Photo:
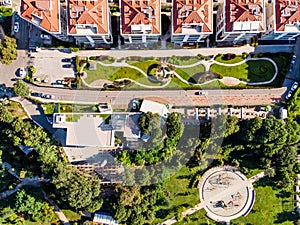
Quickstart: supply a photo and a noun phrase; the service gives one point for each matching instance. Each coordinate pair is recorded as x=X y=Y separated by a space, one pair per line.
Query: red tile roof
x=246 y=12
x=192 y=13
x=91 y=16
x=287 y=13
x=140 y=12
x=43 y=13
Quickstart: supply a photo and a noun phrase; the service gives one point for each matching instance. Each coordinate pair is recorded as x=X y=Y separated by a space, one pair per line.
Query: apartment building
x=44 y=14
x=192 y=20
x=239 y=20
x=89 y=21
x=140 y=20
x=283 y=20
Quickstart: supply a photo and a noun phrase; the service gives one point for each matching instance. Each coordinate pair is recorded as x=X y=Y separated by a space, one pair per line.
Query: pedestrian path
x=35 y=182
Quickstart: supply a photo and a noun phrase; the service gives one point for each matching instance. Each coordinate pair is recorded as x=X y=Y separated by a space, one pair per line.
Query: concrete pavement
x=168 y=53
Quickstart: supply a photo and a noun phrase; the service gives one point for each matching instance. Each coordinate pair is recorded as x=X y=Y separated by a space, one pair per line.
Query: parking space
x=20 y=30
x=51 y=69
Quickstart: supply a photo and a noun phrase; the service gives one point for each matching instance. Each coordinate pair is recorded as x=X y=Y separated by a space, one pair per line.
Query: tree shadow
x=286 y=216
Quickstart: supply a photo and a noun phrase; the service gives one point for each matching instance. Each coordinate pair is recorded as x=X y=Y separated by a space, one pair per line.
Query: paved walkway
x=203 y=204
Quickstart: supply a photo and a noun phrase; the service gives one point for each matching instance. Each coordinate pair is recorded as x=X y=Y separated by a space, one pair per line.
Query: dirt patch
x=100 y=83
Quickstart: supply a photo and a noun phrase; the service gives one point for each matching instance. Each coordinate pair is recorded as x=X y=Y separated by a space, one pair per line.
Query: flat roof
x=89 y=130
x=88 y=17
x=192 y=17
x=140 y=17
x=42 y=13
x=244 y=15
x=154 y=107
x=132 y=129
x=287 y=15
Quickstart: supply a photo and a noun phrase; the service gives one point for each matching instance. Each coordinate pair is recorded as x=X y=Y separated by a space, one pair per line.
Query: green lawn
x=17 y=110
x=220 y=58
x=183 y=60
x=191 y=74
x=180 y=195
x=252 y=71
x=146 y=66
x=48 y=108
x=113 y=73
x=71 y=215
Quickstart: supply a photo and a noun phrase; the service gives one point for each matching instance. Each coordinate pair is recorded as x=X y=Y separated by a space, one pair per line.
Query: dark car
x=67 y=66
x=201 y=93
x=35 y=94
x=66 y=60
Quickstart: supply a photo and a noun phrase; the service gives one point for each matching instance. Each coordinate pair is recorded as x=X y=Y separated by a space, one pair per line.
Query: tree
x=174 y=126
x=249 y=129
x=8 y=50
x=28 y=205
x=231 y=125
x=148 y=122
x=5 y=116
x=272 y=131
x=21 y=88
x=286 y=157
x=78 y=190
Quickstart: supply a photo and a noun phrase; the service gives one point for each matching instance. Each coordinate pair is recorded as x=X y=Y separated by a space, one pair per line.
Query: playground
x=226 y=193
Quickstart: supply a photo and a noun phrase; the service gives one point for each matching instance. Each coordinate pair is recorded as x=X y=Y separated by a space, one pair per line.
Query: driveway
x=8 y=72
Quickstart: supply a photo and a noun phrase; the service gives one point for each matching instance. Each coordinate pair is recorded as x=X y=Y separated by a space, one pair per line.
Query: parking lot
x=52 y=68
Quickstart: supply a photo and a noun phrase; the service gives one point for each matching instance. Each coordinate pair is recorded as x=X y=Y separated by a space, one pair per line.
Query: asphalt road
x=295 y=74
x=121 y=99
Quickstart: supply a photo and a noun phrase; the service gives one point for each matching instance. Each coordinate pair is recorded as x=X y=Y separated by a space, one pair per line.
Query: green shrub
x=74 y=49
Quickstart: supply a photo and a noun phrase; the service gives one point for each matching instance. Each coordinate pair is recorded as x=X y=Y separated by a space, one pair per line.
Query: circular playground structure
x=226 y=193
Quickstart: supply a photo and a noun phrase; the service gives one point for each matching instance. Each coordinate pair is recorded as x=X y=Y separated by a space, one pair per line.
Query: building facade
x=283 y=20
x=140 y=20
x=192 y=20
x=89 y=21
x=239 y=20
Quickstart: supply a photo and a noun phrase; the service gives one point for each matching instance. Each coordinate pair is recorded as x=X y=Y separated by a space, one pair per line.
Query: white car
x=22 y=72
x=16 y=27
x=45 y=36
x=289 y=95
x=294 y=86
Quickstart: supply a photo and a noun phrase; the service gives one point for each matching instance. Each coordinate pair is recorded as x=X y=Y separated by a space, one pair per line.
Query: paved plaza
x=226 y=193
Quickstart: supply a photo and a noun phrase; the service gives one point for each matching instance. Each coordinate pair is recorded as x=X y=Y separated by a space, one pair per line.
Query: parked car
x=201 y=93
x=22 y=72
x=288 y=95
x=294 y=86
x=16 y=16
x=45 y=36
x=67 y=66
x=291 y=68
x=48 y=96
x=66 y=60
x=16 y=27
x=293 y=59
x=36 y=94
